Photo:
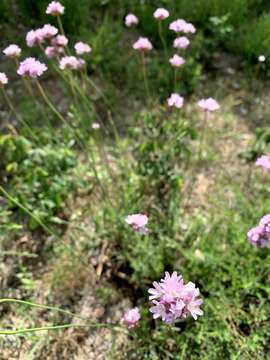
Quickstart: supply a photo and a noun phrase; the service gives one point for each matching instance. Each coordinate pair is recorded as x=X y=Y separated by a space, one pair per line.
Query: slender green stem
x=145 y=76
x=83 y=146
x=49 y=103
x=59 y=22
x=163 y=41
x=41 y=306
x=54 y=327
x=12 y=108
x=99 y=91
x=22 y=207
x=175 y=79
x=38 y=220
x=202 y=135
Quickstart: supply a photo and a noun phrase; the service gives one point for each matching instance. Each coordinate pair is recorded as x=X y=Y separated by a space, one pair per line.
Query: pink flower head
x=209 y=104
x=265 y=221
x=3 y=79
x=53 y=51
x=71 y=62
x=95 y=126
x=263 y=161
x=48 y=31
x=131 y=318
x=142 y=44
x=34 y=37
x=261 y=58
x=189 y=29
x=31 y=67
x=81 y=63
x=258 y=236
x=131 y=20
x=181 y=25
x=161 y=14
x=12 y=51
x=55 y=8
x=173 y=300
x=82 y=48
x=59 y=40
x=176 y=101
x=181 y=42
x=177 y=61
x=138 y=222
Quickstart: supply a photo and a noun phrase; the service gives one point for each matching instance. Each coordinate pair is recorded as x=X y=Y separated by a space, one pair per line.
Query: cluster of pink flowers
x=259 y=236
x=3 y=79
x=82 y=48
x=55 y=8
x=209 y=104
x=264 y=162
x=131 y=20
x=177 y=61
x=176 y=100
x=58 y=44
x=38 y=36
x=13 y=51
x=181 y=42
x=173 y=300
x=181 y=25
x=31 y=67
x=59 y=40
x=161 y=14
x=142 y=44
x=54 y=51
x=138 y=222
x=71 y=62
x=131 y=318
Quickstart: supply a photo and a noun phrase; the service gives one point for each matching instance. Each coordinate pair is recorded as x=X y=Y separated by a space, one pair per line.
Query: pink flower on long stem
x=48 y=31
x=53 y=51
x=181 y=42
x=71 y=62
x=138 y=222
x=13 y=51
x=142 y=44
x=3 y=78
x=177 y=61
x=55 y=8
x=181 y=25
x=38 y=36
x=131 y=20
x=59 y=40
x=209 y=104
x=82 y=48
x=264 y=162
x=175 y=100
x=161 y=14
x=34 y=37
x=131 y=318
x=31 y=67
x=174 y=300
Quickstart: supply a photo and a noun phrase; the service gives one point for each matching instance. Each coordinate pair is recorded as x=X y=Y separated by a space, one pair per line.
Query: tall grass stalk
x=145 y=80
x=163 y=41
x=27 y=211
x=18 y=116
